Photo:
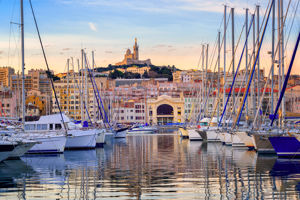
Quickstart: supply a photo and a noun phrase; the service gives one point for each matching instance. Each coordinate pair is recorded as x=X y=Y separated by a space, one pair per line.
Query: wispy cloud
x=162 y=46
x=92 y=26
x=167 y=6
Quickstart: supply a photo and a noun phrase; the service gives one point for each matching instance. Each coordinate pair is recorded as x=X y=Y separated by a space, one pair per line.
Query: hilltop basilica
x=133 y=58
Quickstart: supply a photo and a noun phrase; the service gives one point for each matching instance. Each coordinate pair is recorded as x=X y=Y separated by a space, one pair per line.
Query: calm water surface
x=158 y=166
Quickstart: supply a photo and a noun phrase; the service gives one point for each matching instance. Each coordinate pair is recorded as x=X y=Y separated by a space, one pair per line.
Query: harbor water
x=158 y=166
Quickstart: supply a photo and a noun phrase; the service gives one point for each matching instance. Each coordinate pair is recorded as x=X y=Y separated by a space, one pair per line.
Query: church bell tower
x=136 y=50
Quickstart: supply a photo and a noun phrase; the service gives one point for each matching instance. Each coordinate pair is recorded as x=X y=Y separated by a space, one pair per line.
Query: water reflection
x=151 y=167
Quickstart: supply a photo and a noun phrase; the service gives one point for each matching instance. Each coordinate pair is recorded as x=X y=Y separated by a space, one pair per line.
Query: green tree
x=116 y=74
x=146 y=75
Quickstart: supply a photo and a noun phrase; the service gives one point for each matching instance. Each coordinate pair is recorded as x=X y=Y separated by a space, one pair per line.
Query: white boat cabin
x=50 y=123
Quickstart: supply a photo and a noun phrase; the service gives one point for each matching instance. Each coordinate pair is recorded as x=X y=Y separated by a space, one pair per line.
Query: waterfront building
x=69 y=96
x=137 y=70
x=131 y=112
x=165 y=109
x=188 y=76
x=5 y=76
x=292 y=99
x=9 y=104
x=36 y=79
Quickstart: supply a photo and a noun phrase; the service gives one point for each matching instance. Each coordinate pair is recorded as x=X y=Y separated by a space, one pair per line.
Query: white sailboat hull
x=194 y=135
x=4 y=155
x=212 y=136
x=21 y=149
x=246 y=139
x=120 y=134
x=50 y=144
x=81 y=139
x=100 y=141
x=237 y=142
x=222 y=137
x=228 y=139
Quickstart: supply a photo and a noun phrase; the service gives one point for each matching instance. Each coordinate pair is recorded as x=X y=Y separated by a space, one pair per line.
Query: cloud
x=168 y=6
x=159 y=46
x=170 y=50
x=162 y=46
x=36 y=54
x=92 y=26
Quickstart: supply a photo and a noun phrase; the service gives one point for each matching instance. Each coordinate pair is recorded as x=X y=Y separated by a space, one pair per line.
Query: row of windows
x=42 y=127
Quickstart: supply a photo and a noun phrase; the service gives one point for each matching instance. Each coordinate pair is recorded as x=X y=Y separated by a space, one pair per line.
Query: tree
x=146 y=75
x=116 y=74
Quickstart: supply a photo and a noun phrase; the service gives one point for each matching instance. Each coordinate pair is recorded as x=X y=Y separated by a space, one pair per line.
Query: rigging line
x=199 y=59
x=93 y=84
x=106 y=118
x=253 y=67
x=286 y=79
x=230 y=115
x=233 y=79
x=66 y=65
x=240 y=89
x=293 y=19
x=8 y=52
x=236 y=47
x=212 y=56
x=234 y=51
x=84 y=104
x=49 y=73
x=223 y=38
x=228 y=20
x=16 y=47
x=272 y=64
x=11 y=31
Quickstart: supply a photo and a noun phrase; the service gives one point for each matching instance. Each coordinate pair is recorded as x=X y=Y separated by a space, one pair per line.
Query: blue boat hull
x=286 y=146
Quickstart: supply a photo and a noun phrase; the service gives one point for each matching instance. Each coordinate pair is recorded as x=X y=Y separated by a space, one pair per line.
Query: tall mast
x=233 y=67
x=279 y=52
x=258 y=65
x=94 y=97
x=81 y=86
x=218 y=95
x=282 y=57
x=246 y=56
x=273 y=58
x=202 y=91
x=86 y=87
x=74 y=86
x=23 y=64
x=224 y=78
x=206 y=68
x=253 y=98
x=19 y=96
x=68 y=102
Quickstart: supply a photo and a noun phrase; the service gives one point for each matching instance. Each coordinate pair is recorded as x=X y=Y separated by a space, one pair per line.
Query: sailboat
x=6 y=147
x=21 y=145
x=262 y=138
x=53 y=139
x=288 y=145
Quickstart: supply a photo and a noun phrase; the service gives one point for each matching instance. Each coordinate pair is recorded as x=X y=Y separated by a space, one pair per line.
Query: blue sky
x=168 y=31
